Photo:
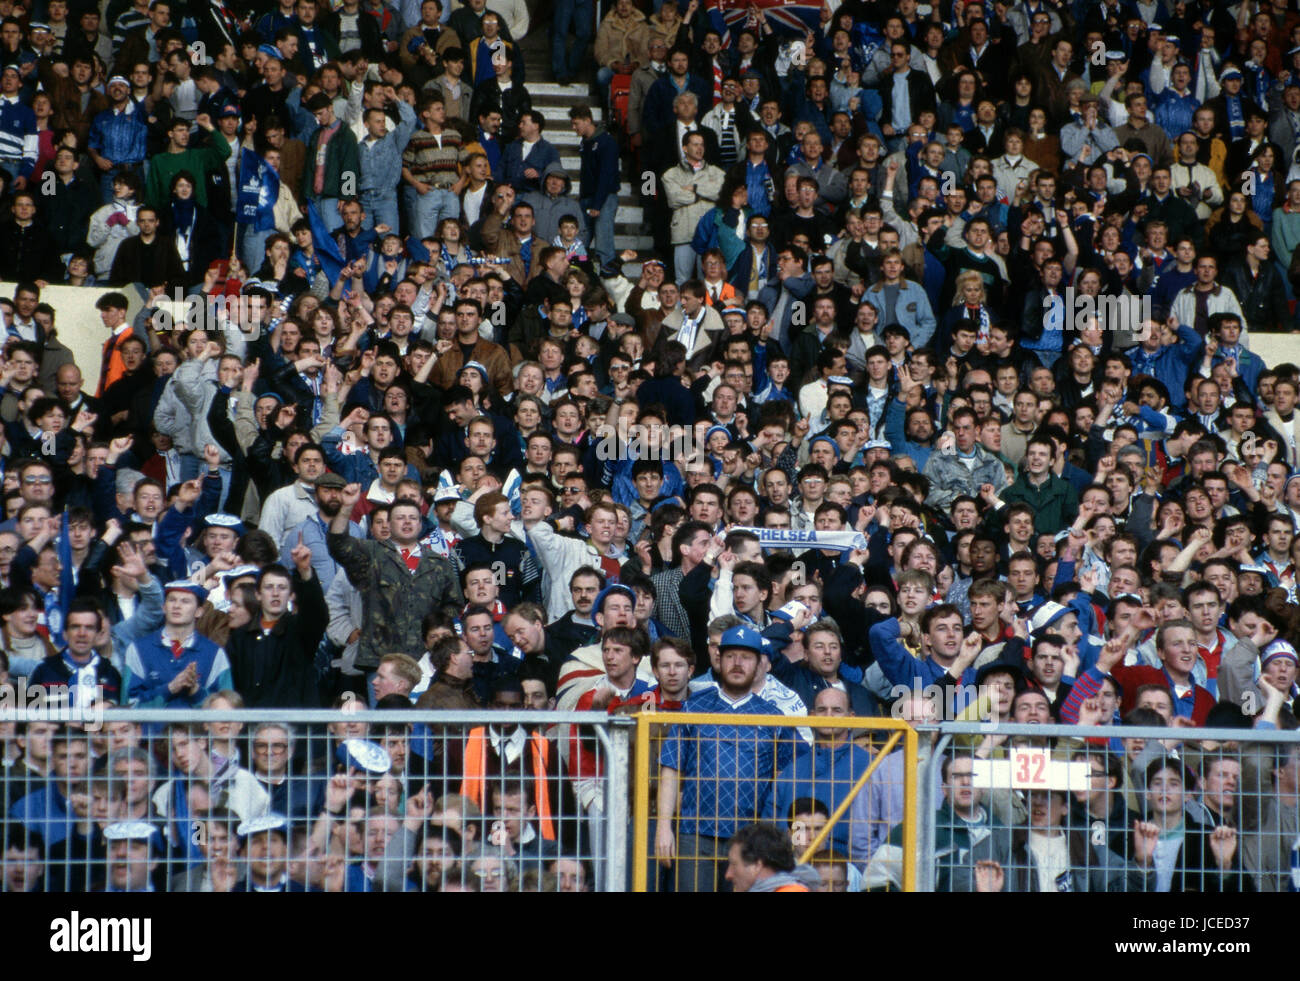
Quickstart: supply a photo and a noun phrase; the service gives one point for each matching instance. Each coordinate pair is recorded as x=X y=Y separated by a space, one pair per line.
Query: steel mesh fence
x=311 y=801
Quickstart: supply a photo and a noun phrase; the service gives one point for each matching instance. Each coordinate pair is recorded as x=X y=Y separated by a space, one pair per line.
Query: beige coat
x=619 y=38
x=691 y=195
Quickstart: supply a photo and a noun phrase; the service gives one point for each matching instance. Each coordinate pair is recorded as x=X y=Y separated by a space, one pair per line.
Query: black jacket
x=1262 y=297
x=276 y=668
x=66 y=213
x=512 y=103
x=920 y=94
x=27 y=253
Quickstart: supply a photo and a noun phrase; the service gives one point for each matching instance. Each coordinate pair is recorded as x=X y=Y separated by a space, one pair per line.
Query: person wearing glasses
x=293 y=795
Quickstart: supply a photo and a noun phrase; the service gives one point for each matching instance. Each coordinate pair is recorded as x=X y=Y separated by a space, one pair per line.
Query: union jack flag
x=785 y=16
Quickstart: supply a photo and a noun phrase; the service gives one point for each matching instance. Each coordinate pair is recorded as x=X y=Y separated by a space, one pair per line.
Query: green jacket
x=341 y=160
x=953 y=840
x=199 y=161
x=394 y=601
x=1055 y=503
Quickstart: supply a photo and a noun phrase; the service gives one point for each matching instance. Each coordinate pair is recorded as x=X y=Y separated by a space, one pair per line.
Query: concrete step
x=559 y=112
x=638 y=242
x=549 y=91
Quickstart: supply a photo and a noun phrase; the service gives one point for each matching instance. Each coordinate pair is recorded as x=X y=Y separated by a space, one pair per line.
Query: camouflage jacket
x=393 y=600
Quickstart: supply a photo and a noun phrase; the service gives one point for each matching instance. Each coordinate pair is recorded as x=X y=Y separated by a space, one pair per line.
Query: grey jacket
x=195 y=385
x=950 y=478
x=547 y=210
x=173 y=419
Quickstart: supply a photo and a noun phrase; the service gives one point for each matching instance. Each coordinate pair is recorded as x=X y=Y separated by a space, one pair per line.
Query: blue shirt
x=902 y=105
x=726 y=770
x=119 y=136
x=821 y=772
x=314 y=532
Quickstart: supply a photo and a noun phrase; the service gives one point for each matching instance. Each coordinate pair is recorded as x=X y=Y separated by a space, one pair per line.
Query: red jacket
x=1135 y=676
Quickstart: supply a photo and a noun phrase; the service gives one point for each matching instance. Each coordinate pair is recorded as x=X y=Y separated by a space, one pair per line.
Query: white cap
x=130 y=831
x=257 y=825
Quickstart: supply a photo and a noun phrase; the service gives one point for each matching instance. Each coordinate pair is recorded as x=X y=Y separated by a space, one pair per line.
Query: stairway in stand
x=553 y=102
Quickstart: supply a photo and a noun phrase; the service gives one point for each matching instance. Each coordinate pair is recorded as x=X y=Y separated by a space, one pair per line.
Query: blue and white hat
x=1046 y=615
x=223 y=520
x=366 y=755
x=186 y=586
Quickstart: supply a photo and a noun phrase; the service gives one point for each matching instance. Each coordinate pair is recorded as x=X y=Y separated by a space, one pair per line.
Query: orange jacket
x=472 y=786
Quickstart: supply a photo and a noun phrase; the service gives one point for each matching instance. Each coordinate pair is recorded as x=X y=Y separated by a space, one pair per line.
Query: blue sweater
x=600 y=169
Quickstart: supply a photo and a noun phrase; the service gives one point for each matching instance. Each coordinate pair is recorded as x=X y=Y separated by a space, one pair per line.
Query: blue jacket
x=1170 y=364
x=902 y=669
x=46 y=812
x=806 y=683
x=355 y=468
x=56 y=673
x=18 y=136
x=600 y=169
x=895 y=420
x=912 y=310
x=1174 y=112
x=150 y=666
x=513 y=165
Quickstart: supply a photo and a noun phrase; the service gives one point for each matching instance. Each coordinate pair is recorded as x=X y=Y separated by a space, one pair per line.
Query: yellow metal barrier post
x=845 y=804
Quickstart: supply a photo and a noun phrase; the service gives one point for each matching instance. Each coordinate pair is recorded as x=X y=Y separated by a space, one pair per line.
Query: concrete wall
x=78 y=323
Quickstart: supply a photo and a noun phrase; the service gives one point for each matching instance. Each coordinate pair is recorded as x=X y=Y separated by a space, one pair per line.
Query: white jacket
x=1202 y=175
x=105 y=238
x=560 y=557
x=1222 y=301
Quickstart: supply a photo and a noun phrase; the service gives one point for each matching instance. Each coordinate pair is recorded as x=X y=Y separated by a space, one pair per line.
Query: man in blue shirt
x=723 y=772
x=46 y=811
x=825 y=771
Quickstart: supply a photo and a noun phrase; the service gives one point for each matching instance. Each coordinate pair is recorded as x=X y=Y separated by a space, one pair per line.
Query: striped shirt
x=18 y=140
x=434 y=159
x=127 y=23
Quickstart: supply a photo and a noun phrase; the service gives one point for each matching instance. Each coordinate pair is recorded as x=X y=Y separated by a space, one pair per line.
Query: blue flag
x=66 y=585
x=327 y=250
x=259 y=188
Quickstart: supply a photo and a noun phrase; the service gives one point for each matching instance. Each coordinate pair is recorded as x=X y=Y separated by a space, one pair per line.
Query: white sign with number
x=1031 y=768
